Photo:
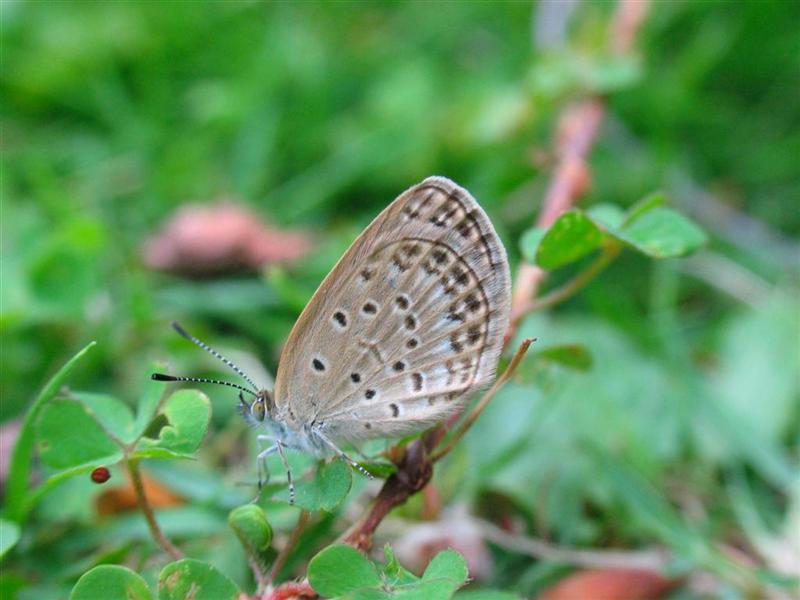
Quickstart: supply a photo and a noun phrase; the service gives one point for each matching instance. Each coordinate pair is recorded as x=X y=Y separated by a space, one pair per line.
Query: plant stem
x=576 y=131
x=144 y=505
x=490 y=393
x=568 y=289
x=650 y=560
x=578 y=127
x=283 y=555
x=262 y=581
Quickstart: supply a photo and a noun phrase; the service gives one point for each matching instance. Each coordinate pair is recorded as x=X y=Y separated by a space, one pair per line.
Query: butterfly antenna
x=164 y=377
x=183 y=333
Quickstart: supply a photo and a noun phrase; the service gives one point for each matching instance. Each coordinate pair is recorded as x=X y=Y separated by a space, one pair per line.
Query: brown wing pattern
x=409 y=320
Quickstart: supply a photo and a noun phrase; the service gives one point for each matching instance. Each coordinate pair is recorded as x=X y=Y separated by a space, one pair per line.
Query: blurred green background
x=685 y=432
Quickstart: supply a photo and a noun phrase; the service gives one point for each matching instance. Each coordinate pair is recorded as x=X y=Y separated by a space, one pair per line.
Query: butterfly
x=408 y=323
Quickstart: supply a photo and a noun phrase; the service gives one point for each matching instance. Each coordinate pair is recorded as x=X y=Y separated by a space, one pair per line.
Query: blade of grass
x=20 y=467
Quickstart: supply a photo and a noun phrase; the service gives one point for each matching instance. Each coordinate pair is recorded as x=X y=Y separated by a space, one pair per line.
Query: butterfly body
x=303 y=438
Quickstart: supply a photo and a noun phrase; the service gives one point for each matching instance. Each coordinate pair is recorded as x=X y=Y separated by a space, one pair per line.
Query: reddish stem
x=577 y=130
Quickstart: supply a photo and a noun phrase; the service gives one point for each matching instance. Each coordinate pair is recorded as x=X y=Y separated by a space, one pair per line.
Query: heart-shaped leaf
x=448 y=564
x=110 y=582
x=112 y=414
x=188 y=413
x=69 y=435
x=189 y=578
x=572 y=236
x=325 y=490
x=340 y=569
x=662 y=233
x=395 y=573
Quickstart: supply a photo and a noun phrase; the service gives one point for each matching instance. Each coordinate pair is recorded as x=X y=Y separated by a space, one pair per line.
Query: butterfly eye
x=258 y=410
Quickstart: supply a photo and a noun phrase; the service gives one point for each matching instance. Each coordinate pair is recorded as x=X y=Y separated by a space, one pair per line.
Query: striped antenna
x=164 y=377
x=181 y=331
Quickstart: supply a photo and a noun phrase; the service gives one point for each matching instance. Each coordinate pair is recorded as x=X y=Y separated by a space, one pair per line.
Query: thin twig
x=283 y=555
x=650 y=560
x=144 y=505
x=487 y=397
x=576 y=132
x=569 y=288
x=262 y=580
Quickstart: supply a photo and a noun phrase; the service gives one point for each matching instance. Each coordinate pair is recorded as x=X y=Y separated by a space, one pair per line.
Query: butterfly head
x=259 y=409
x=255 y=411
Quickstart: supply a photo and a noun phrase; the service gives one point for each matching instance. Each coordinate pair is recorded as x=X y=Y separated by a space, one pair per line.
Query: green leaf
x=380 y=470
x=662 y=233
x=608 y=216
x=69 y=436
x=439 y=589
x=394 y=571
x=340 y=569
x=370 y=594
x=529 y=243
x=19 y=468
x=574 y=356
x=189 y=578
x=156 y=452
x=9 y=536
x=188 y=413
x=436 y=589
x=648 y=227
x=250 y=524
x=53 y=481
x=113 y=415
x=644 y=205
x=572 y=236
x=149 y=401
x=448 y=564
x=110 y=582
x=325 y=490
x=485 y=595
x=443 y=576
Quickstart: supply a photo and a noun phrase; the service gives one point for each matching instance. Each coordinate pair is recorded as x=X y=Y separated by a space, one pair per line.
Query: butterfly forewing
x=409 y=320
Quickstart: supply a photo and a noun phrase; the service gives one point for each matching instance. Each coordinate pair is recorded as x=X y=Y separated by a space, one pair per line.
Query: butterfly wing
x=408 y=321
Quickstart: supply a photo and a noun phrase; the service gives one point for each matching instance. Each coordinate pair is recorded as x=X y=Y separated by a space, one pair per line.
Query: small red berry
x=101 y=475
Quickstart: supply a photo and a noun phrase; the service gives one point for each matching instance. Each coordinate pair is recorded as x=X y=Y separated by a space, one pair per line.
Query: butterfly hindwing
x=408 y=321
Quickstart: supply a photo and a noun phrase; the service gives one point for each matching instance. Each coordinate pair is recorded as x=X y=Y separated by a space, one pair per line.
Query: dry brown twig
x=147 y=510
x=283 y=555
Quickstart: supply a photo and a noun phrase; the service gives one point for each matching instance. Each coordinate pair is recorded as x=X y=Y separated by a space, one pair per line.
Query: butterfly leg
x=341 y=454
x=261 y=464
x=282 y=452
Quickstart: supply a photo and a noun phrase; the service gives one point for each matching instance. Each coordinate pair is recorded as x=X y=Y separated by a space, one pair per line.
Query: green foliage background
x=316 y=115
